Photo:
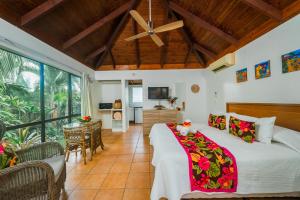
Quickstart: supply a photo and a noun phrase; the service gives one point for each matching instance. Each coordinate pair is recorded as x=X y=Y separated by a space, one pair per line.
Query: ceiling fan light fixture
x=149 y=28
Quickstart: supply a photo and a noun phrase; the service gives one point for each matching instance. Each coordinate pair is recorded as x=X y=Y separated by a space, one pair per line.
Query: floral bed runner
x=212 y=168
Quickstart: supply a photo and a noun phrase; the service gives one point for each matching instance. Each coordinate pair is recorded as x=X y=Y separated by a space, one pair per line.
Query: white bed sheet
x=262 y=168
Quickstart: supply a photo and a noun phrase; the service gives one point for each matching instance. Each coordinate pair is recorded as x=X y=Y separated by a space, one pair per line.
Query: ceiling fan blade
x=143 y=34
x=168 y=27
x=139 y=19
x=157 y=40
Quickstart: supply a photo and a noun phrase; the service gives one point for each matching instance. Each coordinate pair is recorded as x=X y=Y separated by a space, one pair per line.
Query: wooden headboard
x=288 y=115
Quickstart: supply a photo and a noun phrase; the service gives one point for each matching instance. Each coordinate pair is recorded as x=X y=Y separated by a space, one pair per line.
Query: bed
x=263 y=170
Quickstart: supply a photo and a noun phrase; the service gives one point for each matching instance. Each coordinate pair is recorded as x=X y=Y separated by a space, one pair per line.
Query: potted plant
x=85 y=119
x=172 y=101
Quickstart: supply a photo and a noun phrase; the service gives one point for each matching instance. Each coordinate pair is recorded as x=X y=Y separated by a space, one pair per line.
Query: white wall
x=195 y=103
x=105 y=92
x=279 y=88
x=15 y=39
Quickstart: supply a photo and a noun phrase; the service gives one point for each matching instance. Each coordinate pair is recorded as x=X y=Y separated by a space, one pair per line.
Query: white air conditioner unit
x=224 y=62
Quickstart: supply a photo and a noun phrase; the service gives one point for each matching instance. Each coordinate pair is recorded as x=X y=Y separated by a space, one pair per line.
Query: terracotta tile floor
x=121 y=171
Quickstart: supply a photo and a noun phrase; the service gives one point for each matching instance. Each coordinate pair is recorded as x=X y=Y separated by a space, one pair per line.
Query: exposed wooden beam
x=205 y=51
x=187 y=56
x=112 y=58
x=136 y=43
x=290 y=11
x=265 y=8
x=96 y=53
x=39 y=11
x=149 y=67
x=202 y=23
x=116 y=32
x=189 y=41
x=84 y=33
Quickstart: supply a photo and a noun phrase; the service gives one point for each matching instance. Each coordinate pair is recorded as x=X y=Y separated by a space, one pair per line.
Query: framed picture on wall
x=262 y=70
x=291 y=61
x=241 y=75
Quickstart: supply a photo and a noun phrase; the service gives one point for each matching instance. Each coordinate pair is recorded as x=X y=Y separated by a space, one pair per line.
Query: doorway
x=135 y=101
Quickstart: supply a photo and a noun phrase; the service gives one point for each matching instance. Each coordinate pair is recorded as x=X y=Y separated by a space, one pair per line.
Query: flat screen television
x=158 y=92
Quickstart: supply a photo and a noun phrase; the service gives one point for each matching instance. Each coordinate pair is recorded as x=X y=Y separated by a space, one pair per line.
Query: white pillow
x=263 y=127
x=288 y=137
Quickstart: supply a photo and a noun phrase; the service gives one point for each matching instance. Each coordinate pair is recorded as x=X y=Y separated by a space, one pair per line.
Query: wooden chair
x=77 y=139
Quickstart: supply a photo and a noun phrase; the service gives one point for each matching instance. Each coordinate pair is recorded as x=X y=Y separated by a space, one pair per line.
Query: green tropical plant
x=23 y=138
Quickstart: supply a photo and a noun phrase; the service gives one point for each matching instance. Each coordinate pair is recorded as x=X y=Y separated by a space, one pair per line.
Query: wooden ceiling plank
x=136 y=43
x=290 y=11
x=84 y=33
x=202 y=23
x=189 y=42
x=165 y=37
x=164 y=49
x=96 y=53
x=205 y=51
x=187 y=56
x=39 y=11
x=265 y=8
x=116 y=32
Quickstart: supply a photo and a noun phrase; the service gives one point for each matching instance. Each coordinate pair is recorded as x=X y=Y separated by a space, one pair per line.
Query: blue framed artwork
x=241 y=75
x=291 y=61
x=262 y=70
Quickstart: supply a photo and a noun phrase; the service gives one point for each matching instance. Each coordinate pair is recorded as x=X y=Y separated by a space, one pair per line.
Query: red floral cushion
x=217 y=121
x=242 y=129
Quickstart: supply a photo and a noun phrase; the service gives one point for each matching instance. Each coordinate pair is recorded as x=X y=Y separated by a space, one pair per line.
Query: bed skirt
x=199 y=195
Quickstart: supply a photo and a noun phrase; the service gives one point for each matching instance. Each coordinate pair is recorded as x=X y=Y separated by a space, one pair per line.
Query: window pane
x=76 y=95
x=19 y=89
x=56 y=93
x=75 y=119
x=54 y=131
x=137 y=95
x=23 y=137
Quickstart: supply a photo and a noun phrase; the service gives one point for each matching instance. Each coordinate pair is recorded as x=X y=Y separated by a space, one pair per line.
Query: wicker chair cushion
x=57 y=164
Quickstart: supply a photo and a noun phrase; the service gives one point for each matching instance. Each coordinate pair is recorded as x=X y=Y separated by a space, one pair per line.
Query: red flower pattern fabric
x=212 y=168
x=217 y=121
x=243 y=129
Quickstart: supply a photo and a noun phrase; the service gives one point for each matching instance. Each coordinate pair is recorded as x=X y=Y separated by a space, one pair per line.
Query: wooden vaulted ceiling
x=93 y=31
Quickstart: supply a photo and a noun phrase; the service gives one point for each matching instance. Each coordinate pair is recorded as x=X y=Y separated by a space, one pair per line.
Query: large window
x=36 y=99
x=56 y=93
x=137 y=95
x=19 y=89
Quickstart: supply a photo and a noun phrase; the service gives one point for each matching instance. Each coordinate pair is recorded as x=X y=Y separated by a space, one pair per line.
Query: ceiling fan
x=148 y=27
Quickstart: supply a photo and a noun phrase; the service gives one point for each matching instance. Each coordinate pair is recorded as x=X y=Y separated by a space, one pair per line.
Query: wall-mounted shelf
x=116 y=123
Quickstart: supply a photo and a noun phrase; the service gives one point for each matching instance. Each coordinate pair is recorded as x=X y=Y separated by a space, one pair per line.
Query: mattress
x=262 y=168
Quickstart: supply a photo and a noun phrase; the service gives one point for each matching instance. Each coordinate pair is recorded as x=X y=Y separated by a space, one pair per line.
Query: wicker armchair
x=41 y=174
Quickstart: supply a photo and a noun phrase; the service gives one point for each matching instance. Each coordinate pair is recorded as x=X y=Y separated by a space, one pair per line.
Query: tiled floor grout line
x=131 y=164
